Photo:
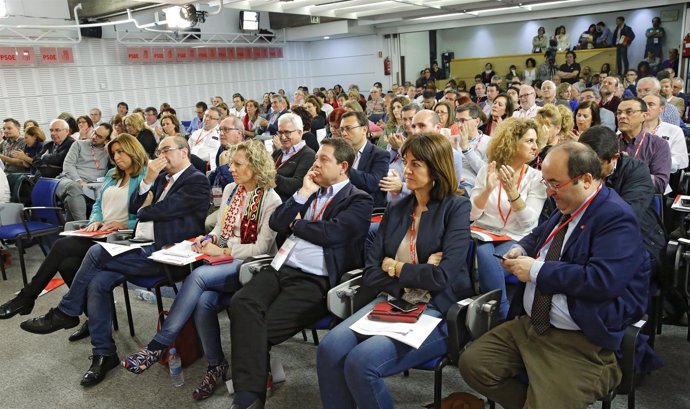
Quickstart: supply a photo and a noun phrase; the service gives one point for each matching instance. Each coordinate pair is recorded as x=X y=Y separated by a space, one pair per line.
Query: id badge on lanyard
x=284 y=252
x=216 y=195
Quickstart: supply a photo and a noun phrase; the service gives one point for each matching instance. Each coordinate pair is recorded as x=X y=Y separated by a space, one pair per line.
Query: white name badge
x=284 y=252
x=144 y=231
x=217 y=195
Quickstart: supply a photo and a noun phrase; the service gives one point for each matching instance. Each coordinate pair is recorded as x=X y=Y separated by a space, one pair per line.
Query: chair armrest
x=252 y=265
x=629 y=351
x=118 y=236
x=349 y=275
x=349 y=296
x=469 y=319
x=76 y=225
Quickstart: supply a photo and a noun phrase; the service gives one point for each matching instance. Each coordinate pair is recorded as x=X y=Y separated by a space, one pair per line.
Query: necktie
x=541 y=306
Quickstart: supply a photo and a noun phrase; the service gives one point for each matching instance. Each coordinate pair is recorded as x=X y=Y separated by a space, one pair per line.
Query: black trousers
x=272 y=307
x=622 y=59
x=65 y=257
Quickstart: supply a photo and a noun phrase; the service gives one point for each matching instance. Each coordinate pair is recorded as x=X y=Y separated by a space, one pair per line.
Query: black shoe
x=256 y=405
x=81 y=333
x=100 y=365
x=51 y=322
x=16 y=306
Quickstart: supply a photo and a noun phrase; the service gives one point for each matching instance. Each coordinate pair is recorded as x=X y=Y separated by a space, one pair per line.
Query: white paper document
x=179 y=254
x=412 y=334
x=117 y=249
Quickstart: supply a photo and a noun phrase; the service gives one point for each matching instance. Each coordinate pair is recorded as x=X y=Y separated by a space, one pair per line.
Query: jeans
x=93 y=285
x=491 y=274
x=351 y=367
x=199 y=295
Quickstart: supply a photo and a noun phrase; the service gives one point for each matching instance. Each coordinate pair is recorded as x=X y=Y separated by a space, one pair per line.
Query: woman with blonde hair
x=136 y=126
x=507 y=198
x=242 y=231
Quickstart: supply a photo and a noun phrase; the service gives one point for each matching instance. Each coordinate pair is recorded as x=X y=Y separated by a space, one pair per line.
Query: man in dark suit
x=327 y=220
x=53 y=155
x=371 y=162
x=622 y=37
x=587 y=278
x=294 y=158
x=171 y=207
x=278 y=108
x=630 y=178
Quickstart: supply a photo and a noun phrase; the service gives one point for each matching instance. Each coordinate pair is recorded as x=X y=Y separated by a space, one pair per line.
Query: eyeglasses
x=224 y=129
x=347 y=129
x=555 y=186
x=463 y=120
x=167 y=149
x=51 y=130
x=213 y=118
x=286 y=132
x=526 y=95
x=628 y=112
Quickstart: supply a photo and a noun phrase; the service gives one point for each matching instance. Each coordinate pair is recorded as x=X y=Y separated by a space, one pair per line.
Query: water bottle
x=175 y=365
x=145 y=295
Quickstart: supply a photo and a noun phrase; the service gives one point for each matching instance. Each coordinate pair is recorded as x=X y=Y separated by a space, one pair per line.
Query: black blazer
x=445 y=227
x=633 y=184
x=372 y=166
x=289 y=176
x=148 y=141
x=50 y=165
x=181 y=214
x=341 y=231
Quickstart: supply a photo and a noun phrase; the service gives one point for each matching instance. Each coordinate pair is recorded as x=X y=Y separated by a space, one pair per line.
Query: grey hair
x=655 y=83
x=294 y=119
x=63 y=124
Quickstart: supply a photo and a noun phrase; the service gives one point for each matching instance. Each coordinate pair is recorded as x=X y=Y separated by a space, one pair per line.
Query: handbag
x=386 y=312
x=186 y=343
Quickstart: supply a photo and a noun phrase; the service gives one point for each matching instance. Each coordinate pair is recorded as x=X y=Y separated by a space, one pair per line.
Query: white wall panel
x=101 y=76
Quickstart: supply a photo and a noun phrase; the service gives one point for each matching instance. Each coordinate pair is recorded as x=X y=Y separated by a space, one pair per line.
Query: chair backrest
x=43 y=195
x=20 y=188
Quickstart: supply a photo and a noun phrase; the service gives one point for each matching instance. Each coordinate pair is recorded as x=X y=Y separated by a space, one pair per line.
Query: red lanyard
x=198 y=141
x=95 y=160
x=574 y=215
x=413 y=240
x=637 y=151
x=313 y=208
x=500 y=212
x=286 y=159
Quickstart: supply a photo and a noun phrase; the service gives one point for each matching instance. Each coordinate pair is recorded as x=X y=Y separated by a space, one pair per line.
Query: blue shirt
x=307 y=256
x=195 y=124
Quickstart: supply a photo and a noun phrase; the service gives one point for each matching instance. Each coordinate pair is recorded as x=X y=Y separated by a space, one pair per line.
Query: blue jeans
x=201 y=292
x=351 y=367
x=491 y=274
x=93 y=284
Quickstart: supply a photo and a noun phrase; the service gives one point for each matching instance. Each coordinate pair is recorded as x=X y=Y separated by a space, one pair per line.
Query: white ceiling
x=395 y=16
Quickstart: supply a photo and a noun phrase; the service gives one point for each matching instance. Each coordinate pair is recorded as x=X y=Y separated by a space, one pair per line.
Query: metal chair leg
x=438 y=385
x=116 y=327
x=128 y=308
x=315 y=337
x=20 y=248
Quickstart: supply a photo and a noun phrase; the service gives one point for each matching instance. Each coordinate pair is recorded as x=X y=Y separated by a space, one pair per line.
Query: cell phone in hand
x=501 y=256
x=402 y=305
